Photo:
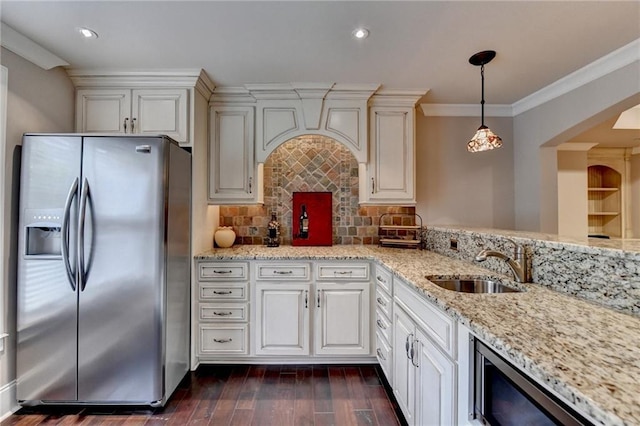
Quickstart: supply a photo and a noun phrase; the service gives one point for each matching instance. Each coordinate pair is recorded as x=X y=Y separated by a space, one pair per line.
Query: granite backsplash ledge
x=604 y=272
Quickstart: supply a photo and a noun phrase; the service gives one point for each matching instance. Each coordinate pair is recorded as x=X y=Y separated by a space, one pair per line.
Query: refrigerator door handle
x=84 y=196
x=65 y=233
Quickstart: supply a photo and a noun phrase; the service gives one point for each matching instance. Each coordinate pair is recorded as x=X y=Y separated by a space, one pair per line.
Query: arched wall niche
x=309 y=163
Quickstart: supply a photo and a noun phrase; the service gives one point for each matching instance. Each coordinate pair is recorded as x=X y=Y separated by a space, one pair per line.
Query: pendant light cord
x=482 y=101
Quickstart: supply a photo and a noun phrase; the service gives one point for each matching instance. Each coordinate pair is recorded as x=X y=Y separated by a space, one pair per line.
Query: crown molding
x=465 y=110
x=28 y=49
x=141 y=78
x=614 y=61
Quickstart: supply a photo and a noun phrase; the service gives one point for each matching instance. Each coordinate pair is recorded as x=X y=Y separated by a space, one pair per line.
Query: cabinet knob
x=380 y=355
x=373 y=185
x=126 y=120
x=133 y=125
x=250 y=183
x=222 y=314
x=223 y=340
x=381 y=325
x=381 y=302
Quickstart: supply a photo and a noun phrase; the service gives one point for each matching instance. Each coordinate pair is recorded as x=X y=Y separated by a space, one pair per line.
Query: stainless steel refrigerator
x=103 y=269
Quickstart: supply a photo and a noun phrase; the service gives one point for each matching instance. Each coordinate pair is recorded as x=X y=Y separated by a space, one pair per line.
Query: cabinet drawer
x=385 y=356
x=383 y=325
x=384 y=303
x=297 y=271
x=224 y=339
x=223 y=271
x=347 y=271
x=224 y=312
x=440 y=328
x=384 y=279
x=232 y=292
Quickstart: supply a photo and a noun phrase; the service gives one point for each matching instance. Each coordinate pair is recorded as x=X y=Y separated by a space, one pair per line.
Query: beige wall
x=454 y=186
x=555 y=122
x=572 y=193
x=635 y=196
x=37 y=101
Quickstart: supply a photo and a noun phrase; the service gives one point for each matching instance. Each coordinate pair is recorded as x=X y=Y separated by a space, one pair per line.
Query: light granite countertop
x=587 y=353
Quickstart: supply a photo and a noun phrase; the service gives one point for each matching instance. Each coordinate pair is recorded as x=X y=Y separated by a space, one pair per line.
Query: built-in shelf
x=393 y=232
x=605 y=200
x=604 y=189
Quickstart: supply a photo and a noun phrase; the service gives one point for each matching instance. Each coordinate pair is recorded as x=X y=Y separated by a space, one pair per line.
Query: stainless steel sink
x=472 y=285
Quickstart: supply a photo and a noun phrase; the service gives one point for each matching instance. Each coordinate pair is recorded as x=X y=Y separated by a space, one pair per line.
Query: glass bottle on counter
x=273 y=229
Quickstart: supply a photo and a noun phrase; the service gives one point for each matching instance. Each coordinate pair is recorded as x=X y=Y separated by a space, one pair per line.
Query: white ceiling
x=412 y=45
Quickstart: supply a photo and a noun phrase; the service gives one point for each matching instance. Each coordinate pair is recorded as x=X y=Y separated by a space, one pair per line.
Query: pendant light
x=484 y=139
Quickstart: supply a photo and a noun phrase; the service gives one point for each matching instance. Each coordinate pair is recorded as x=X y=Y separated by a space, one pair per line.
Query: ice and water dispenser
x=43 y=232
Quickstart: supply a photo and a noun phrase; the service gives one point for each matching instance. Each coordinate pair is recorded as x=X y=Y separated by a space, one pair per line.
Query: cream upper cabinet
x=233 y=177
x=147 y=111
x=140 y=102
x=389 y=175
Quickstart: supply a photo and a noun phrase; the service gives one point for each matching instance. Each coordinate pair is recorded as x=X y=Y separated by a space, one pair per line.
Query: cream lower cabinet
x=222 y=306
x=282 y=318
x=296 y=315
x=424 y=372
x=341 y=325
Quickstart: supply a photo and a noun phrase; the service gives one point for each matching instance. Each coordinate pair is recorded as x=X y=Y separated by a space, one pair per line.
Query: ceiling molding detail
x=465 y=110
x=599 y=68
x=607 y=64
x=28 y=49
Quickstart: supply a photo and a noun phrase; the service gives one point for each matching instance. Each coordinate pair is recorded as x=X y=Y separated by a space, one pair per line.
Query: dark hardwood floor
x=249 y=395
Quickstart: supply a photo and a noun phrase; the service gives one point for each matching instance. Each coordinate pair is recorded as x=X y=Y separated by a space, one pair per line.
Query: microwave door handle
x=65 y=234
x=84 y=195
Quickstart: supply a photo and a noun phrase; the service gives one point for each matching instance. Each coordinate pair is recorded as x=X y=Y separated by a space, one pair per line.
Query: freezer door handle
x=65 y=233
x=84 y=195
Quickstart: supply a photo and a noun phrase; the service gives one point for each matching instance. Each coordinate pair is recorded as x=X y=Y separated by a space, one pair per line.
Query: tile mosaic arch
x=309 y=163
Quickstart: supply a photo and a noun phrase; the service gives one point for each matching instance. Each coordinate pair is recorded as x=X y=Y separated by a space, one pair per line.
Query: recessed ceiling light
x=87 y=33
x=360 y=33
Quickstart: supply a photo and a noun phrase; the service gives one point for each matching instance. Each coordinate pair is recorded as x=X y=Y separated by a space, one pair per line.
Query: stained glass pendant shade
x=484 y=139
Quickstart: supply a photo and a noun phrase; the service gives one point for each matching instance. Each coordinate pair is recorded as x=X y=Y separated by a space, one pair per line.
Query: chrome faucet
x=517 y=264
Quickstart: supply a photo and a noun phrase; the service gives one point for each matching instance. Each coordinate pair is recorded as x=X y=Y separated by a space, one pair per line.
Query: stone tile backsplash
x=311 y=164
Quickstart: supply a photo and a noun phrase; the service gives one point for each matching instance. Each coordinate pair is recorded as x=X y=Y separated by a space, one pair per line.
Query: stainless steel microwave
x=504 y=396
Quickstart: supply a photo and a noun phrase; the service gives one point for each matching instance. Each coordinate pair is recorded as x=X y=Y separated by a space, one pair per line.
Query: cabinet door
x=231 y=155
x=435 y=384
x=404 y=374
x=391 y=174
x=103 y=110
x=282 y=319
x=342 y=319
x=161 y=111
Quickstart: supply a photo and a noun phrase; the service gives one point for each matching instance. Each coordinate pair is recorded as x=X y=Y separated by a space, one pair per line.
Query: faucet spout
x=517 y=264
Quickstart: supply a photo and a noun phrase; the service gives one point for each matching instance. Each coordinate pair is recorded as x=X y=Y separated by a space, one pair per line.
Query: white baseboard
x=8 y=402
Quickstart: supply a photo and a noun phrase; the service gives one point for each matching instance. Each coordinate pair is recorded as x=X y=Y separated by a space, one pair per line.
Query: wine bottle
x=304 y=223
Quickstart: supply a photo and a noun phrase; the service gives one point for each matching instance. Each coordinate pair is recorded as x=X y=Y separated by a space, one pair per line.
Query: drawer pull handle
x=342 y=272
x=226 y=271
x=283 y=272
x=380 y=355
x=381 y=302
x=223 y=340
x=381 y=325
x=222 y=292
x=382 y=280
x=222 y=314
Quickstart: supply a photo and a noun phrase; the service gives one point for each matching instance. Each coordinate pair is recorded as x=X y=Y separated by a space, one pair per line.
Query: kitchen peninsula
x=583 y=351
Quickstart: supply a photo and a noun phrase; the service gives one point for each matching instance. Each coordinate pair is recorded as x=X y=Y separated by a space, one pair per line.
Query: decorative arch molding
x=286 y=111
